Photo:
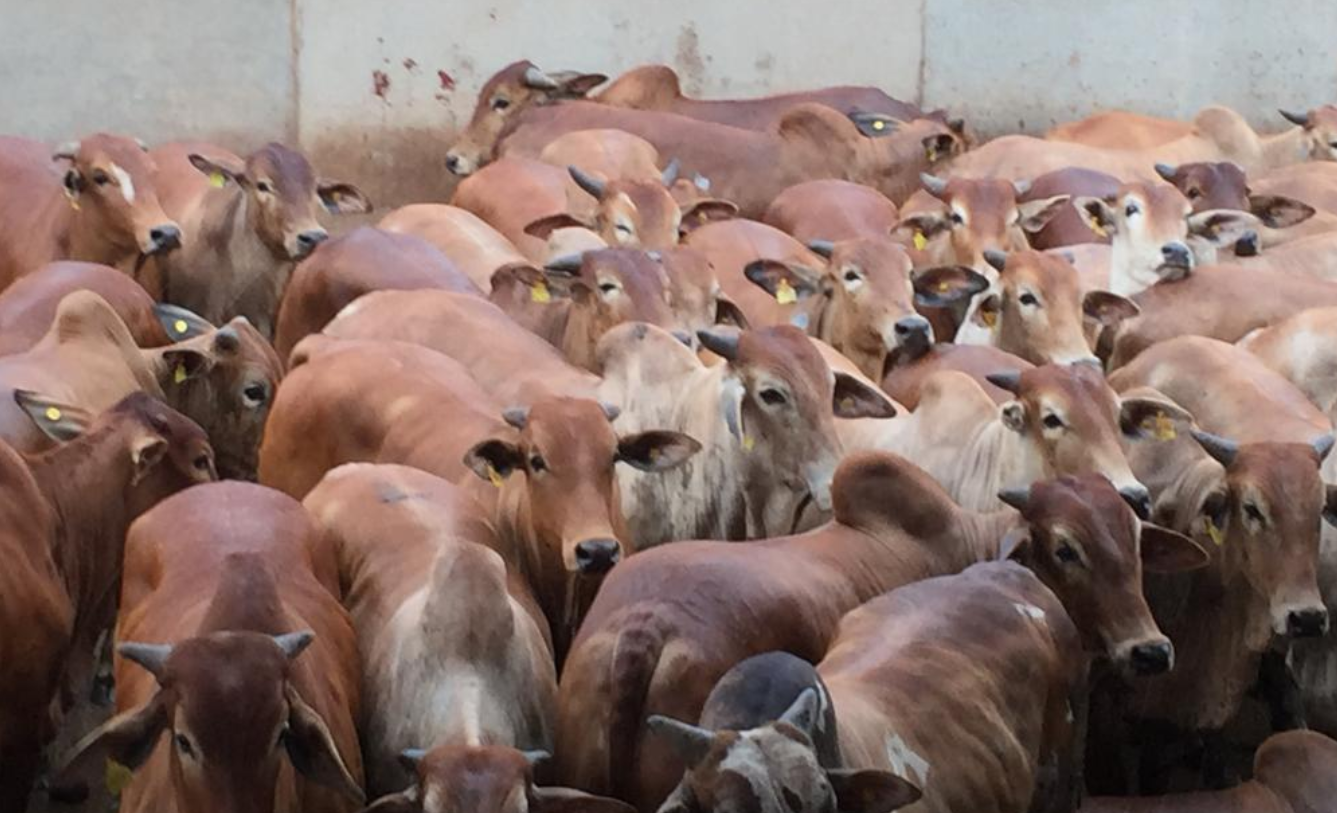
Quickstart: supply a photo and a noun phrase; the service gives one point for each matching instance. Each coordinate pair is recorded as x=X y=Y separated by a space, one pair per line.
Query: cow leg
x=1279 y=688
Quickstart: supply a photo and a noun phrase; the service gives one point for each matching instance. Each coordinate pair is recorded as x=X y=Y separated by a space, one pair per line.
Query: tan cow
x=366 y=259
x=1120 y=130
x=730 y=246
x=504 y=96
x=29 y=305
x=104 y=210
x=247 y=221
x=763 y=419
x=1069 y=226
x=831 y=209
x=907 y=373
x=472 y=245
x=232 y=643
x=64 y=521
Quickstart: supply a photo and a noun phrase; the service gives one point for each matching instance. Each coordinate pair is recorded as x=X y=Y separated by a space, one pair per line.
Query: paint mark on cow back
x=1029 y=611
x=905 y=761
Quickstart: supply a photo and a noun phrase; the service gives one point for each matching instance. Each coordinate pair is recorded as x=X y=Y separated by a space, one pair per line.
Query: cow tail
x=635 y=658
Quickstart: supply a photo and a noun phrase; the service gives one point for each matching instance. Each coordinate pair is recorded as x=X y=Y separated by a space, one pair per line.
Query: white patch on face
x=127 y=185
x=904 y=761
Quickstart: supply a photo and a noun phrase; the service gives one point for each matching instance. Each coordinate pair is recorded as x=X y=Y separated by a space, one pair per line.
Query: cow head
x=778 y=402
x=1036 y=309
x=862 y=302
x=227 y=703
x=772 y=769
x=1319 y=128
x=1150 y=227
x=484 y=779
x=109 y=184
x=503 y=98
x=558 y=484
x=1222 y=185
x=224 y=378
x=1262 y=520
x=283 y=197
x=1085 y=543
x=1072 y=422
x=695 y=296
x=972 y=217
x=632 y=213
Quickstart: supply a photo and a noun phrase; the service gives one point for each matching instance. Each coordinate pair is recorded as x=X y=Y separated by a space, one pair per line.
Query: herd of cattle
x=1008 y=465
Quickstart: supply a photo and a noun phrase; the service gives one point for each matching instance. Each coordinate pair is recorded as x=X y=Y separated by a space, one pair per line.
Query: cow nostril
x=911 y=325
x=1310 y=622
x=312 y=238
x=453 y=163
x=596 y=556
x=1175 y=253
x=165 y=236
x=1138 y=499
x=1153 y=659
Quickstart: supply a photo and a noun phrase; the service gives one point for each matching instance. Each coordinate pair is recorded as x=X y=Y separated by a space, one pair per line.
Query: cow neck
x=1281 y=150
x=231 y=232
x=1010 y=458
x=87 y=482
x=245 y=597
x=78 y=237
x=865 y=348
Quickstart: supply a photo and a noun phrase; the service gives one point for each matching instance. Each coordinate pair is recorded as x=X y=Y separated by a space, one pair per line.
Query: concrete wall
x=374 y=90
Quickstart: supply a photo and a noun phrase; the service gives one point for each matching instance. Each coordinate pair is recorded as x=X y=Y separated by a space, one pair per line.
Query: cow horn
x=143 y=145
x=66 y=151
x=516 y=416
x=823 y=247
x=1009 y=380
x=802 y=713
x=688 y=741
x=933 y=183
x=588 y=182
x=226 y=339
x=670 y=173
x=1301 y=119
x=1322 y=445
x=1223 y=451
x=1021 y=186
x=537 y=79
x=536 y=756
x=611 y=411
x=410 y=757
x=996 y=259
x=724 y=345
x=150 y=656
x=293 y=643
x=1165 y=171
x=565 y=264
x=1018 y=498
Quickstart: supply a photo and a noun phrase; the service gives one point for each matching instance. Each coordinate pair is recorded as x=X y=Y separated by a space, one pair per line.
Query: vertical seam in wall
x=294 y=71
x=923 y=51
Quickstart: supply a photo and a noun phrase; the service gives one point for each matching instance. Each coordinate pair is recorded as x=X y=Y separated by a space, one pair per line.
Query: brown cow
x=1069 y=227
x=1120 y=130
x=509 y=92
x=366 y=259
x=64 y=523
x=232 y=642
x=247 y=222
x=105 y=210
x=751 y=168
x=28 y=307
x=730 y=246
x=907 y=373
x=831 y=209
x=1223 y=185
x=472 y=245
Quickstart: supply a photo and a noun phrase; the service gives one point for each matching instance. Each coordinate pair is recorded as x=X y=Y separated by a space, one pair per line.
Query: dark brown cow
x=63 y=528
x=340 y=270
x=28 y=307
x=1069 y=226
x=1222 y=185
x=105 y=209
x=509 y=92
x=247 y=221
x=233 y=644
x=831 y=209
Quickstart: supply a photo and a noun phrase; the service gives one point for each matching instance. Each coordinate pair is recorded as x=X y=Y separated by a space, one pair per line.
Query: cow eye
x=201 y=463
x=1130 y=210
x=1194 y=193
x=623 y=228
x=1253 y=512
x=1067 y=554
x=608 y=287
x=254 y=395
x=101 y=178
x=500 y=103
x=183 y=745
x=772 y=396
x=1052 y=421
x=1028 y=298
x=851 y=276
x=263 y=186
x=957 y=219
x=537 y=463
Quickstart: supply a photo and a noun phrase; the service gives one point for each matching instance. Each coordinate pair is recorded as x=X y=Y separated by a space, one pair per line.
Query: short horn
x=688 y=741
x=66 y=151
x=150 y=656
x=1018 y=498
x=410 y=758
x=670 y=173
x=536 y=756
x=1009 y=380
x=1301 y=119
x=1322 y=446
x=1221 y=450
x=1021 y=186
x=1166 y=171
x=996 y=259
x=589 y=183
x=537 y=79
x=294 y=643
x=565 y=264
x=611 y=411
x=823 y=247
x=933 y=183
x=517 y=417
x=724 y=345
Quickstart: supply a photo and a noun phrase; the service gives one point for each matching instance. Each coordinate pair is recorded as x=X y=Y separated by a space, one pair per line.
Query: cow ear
x=403 y=802
x=181 y=364
x=855 y=399
x=1221 y=227
x=1330 y=505
x=870 y=791
x=574 y=84
x=341 y=198
x=1279 y=211
x=219 y=170
x=1097 y=214
x=948 y=284
x=73 y=184
x=787 y=283
x=127 y=739
x=181 y=324
x=58 y=421
x=1167 y=551
x=545 y=226
x=707 y=210
x=727 y=312
x=1034 y=215
x=656 y=450
x=921 y=227
x=1108 y=308
x=1152 y=416
x=312 y=750
x=569 y=800
x=493 y=460
x=146 y=451
x=1015 y=545
x=1013 y=415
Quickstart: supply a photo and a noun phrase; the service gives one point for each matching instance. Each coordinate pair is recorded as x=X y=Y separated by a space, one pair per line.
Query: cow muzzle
x=163 y=237
x=305 y=242
x=461 y=165
x=912 y=334
x=1177 y=259
x=818 y=481
x=1139 y=499
x=597 y=556
x=1302 y=622
x=1152 y=657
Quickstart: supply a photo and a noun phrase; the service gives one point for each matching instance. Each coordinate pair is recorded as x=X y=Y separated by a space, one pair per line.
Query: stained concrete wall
x=374 y=90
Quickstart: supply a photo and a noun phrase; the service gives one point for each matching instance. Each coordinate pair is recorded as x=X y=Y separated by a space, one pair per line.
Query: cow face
x=973 y=217
x=503 y=98
x=772 y=769
x=695 y=296
x=1085 y=543
x=224 y=378
x=484 y=779
x=1319 y=129
x=778 y=402
x=1263 y=523
x=109 y=184
x=558 y=476
x=1222 y=185
x=283 y=197
x=232 y=716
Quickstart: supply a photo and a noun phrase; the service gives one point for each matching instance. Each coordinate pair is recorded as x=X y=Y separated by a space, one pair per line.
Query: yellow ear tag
x=749 y=443
x=74 y=203
x=117 y=777
x=784 y=293
x=1097 y=227
x=990 y=318
x=179 y=374
x=920 y=240
x=494 y=476
x=944 y=287
x=879 y=125
x=539 y=292
x=52 y=414
x=1161 y=426
x=217 y=180
x=931 y=153
x=1215 y=533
